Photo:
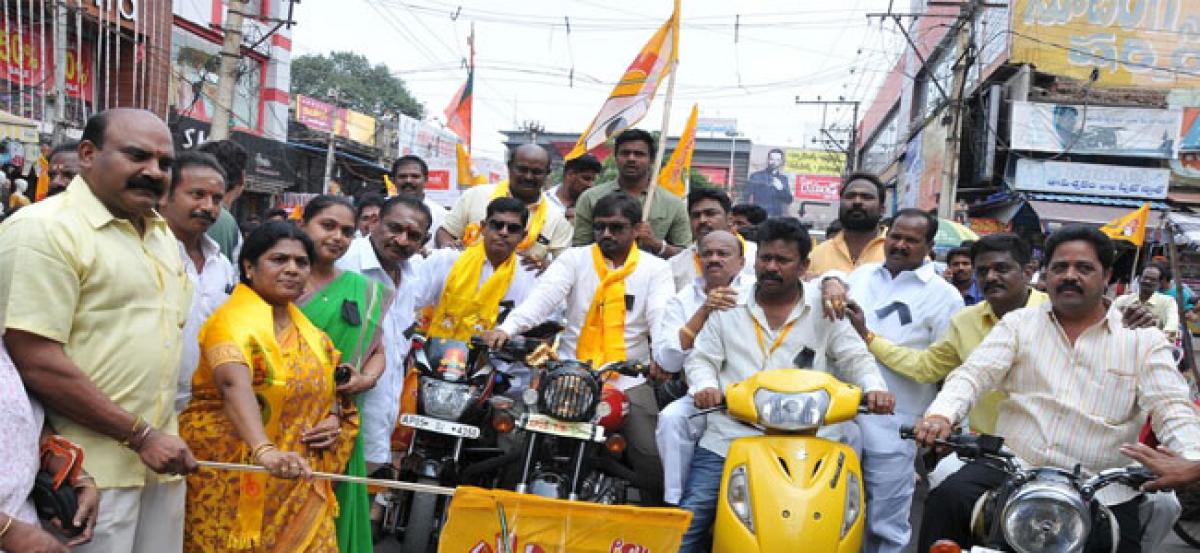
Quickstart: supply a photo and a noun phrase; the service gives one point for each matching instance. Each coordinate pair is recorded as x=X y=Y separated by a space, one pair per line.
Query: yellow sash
x=250 y=325
x=466 y=308
x=537 y=220
x=602 y=338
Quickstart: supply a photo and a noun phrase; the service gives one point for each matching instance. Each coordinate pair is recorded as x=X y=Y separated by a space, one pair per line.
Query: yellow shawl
x=537 y=220
x=602 y=338
x=467 y=308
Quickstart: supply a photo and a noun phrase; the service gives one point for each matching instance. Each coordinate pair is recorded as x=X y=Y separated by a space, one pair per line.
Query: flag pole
x=662 y=135
x=1133 y=271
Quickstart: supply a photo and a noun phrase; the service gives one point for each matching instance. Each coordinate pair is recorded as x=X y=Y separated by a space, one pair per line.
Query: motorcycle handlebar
x=966 y=445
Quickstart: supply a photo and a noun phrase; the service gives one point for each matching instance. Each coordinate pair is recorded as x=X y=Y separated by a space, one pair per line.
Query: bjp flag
x=498 y=521
x=1130 y=228
x=672 y=178
x=631 y=98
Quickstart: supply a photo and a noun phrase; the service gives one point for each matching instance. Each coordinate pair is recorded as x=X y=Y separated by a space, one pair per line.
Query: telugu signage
x=1064 y=128
x=1131 y=42
x=1060 y=177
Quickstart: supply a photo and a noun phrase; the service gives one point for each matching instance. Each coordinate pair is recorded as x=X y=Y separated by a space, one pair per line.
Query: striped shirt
x=1075 y=403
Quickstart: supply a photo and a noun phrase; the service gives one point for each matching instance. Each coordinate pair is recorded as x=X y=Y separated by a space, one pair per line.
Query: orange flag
x=672 y=178
x=631 y=98
x=43 y=180
x=1130 y=228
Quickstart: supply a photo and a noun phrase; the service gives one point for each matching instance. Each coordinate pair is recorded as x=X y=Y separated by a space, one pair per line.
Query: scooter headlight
x=791 y=412
x=444 y=400
x=853 y=506
x=1046 y=517
x=738 y=495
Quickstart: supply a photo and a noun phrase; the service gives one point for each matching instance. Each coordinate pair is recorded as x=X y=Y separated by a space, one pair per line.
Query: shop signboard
x=1091 y=179
x=1095 y=130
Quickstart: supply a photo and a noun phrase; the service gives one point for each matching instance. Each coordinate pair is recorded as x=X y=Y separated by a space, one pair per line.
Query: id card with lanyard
x=760 y=336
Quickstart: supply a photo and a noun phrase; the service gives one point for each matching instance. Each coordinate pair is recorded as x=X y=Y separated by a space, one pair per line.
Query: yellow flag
x=391 y=186
x=466 y=177
x=630 y=99
x=1130 y=228
x=671 y=178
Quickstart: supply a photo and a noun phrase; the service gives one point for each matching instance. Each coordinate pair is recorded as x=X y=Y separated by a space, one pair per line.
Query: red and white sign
x=716 y=175
x=818 y=187
x=439 y=179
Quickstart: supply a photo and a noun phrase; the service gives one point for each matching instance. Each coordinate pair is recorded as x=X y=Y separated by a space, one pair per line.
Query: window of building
x=194 y=76
x=882 y=147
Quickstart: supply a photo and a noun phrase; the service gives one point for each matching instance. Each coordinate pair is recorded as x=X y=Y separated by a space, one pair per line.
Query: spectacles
x=513 y=228
x=612 y=228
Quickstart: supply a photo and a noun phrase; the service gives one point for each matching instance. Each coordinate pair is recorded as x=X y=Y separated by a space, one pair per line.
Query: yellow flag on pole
x=631 y=98
x=466 y=176
x=391 y=186
x=672 y=176
x=1130 y=228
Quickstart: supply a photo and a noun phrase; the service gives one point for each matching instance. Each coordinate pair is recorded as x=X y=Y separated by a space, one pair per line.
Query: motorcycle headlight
x=738 y=495
x=791 y=412
x=1046 y=517
x=569 y=394
x=444 y=400
x=853 y=505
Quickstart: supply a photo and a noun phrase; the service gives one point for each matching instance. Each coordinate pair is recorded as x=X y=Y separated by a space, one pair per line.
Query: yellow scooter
x=789 y=490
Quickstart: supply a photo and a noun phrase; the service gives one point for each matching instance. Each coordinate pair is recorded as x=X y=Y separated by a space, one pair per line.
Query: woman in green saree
x=349 y=308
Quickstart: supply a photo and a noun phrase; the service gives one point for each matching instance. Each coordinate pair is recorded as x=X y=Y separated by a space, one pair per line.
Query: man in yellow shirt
x=861 y=240
x=96 y=335
x=1162 y=306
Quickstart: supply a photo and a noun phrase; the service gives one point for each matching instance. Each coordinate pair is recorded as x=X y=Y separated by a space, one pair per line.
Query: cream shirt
x=471 y=207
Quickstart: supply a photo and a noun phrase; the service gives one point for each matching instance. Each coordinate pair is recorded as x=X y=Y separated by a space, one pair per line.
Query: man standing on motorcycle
x=615 y=297
x=720 y=254
x=708 y=211
x=1079 y=385
x=906 y=300
x=780 y=325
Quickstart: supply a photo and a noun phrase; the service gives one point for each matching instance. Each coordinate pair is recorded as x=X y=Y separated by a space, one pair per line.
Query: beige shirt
x=471 y=207
x=116 y=300
x=684 y=263
x=1070 y=404
x=1162 y=306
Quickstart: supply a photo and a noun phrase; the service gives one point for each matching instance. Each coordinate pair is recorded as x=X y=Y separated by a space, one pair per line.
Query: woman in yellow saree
x=264 y=394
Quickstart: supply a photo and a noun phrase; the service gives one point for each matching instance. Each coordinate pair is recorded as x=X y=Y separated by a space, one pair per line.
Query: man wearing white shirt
x=719 y=289
x=905 y=300
x=410 y=174
x=191 y=206
x=459 y=312
x=389 y=256
x=708 y=210
x=615 y=299
x=780 y=325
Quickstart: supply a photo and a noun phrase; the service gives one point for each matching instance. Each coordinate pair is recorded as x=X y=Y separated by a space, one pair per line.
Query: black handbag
x=50 y=497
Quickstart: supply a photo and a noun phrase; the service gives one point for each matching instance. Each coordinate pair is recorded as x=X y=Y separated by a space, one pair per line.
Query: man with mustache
x=1079 y=386
x=192 y=205
x=410 y=174
x=960 y=273
x=548 y=232
x=722 y=282
x=779 y=325
x=861 y=240
x=615 y=298
x=579 y=175
x=666 y=231
x=233 y=158
x=96 y=336
x=62 y=166
x=386 y=256
x=905 y=300
x=1164 y=308
x=708 y=210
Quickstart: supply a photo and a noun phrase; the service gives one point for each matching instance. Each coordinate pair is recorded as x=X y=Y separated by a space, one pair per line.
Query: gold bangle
x=688 y=332
x=870 y=337
x=7 y=525
x=262 y=448
x=139 y=425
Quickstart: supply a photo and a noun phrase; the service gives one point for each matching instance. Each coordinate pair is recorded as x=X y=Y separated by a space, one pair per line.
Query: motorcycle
x=568 y=414
x=1041 y=509
x=451 y=432
x=789 y=482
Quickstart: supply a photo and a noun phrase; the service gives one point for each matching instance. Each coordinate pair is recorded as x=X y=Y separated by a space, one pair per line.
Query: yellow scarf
x=466 y=308
x=253 y=330
x=537 y=220
x=602 y=338
x=696 y=254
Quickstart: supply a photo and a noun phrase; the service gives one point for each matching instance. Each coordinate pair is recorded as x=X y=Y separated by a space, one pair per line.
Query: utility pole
x=60 y=71
x=964 y=29
x=329 y=153
x=852 y=150
x=231 y=57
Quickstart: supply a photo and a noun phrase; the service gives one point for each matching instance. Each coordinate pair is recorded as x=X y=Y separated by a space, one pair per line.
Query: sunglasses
x=513 y=228
x=612 y=228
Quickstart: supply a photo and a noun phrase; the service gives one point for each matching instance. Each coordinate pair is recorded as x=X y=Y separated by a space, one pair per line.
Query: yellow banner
x=672 y=177
x=813 y=162
x=1130 y=228
x=497 y=521
x=1131 y=42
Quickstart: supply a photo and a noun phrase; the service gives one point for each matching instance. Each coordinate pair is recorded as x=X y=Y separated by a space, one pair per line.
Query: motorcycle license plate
x=439 y=426
x=548 y=425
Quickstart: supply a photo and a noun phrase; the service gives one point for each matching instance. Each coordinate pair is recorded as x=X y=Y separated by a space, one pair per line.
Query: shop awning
x=1185 y=197
x=1187 y=228
x=1091 y=213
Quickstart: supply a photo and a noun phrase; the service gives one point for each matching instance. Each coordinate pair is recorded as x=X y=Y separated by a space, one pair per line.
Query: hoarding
x=1060 y=177
x=318 y=116
x=779 y=176
x=1111 y=131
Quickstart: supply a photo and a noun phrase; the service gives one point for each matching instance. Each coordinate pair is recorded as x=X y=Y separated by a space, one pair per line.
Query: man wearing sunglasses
x=615 y=298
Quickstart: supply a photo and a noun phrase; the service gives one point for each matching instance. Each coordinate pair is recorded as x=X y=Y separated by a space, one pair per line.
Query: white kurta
x=210 y=289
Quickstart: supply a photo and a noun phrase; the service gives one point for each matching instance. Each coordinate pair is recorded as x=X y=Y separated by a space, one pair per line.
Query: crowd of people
x=143 y=325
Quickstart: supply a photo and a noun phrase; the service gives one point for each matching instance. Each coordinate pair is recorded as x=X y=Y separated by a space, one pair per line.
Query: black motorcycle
x=1043 y=510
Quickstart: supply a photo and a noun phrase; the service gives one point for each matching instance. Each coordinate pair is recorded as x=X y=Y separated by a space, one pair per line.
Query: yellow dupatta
x=602 y=338
x=466 y=308
x=249 y=324
x=537 y=220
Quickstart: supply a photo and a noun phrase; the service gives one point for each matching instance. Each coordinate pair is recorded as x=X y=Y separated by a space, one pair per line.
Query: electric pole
x=60 y=71
x=231 y=57
x=851 y=151
x=332 y=148
x=964 y=38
